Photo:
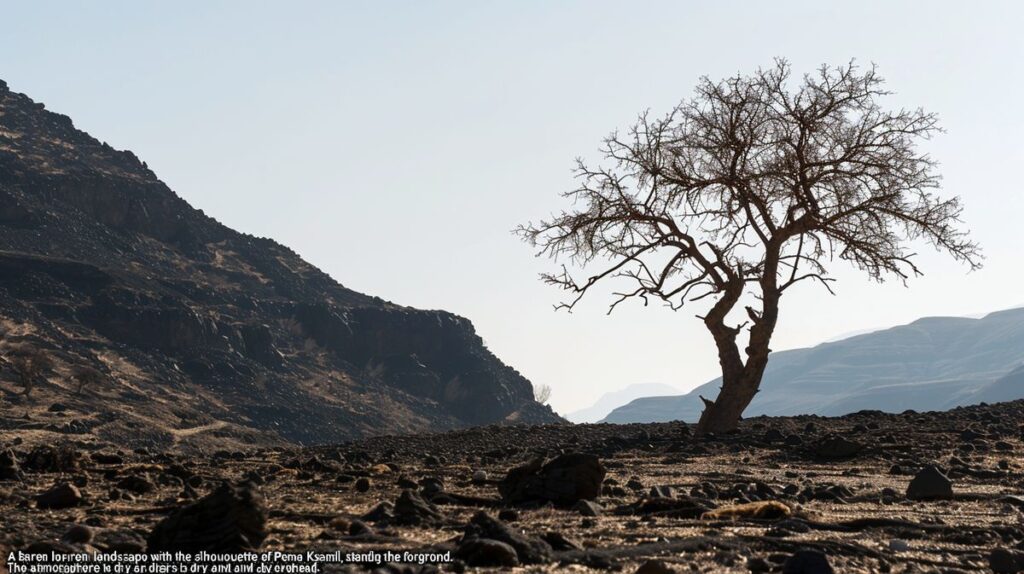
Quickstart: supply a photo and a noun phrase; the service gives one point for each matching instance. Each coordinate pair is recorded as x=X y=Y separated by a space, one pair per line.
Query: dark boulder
x=63 y=495
x=930 y=483
x=807 y=562
x=9 y=469
x=835 y=446
x=231 y=519
x=563 y=480
x=529 y=550
x=411 y=509
x=484 y=552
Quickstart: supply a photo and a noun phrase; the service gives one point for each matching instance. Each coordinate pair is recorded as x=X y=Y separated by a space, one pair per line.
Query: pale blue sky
x=395 y=144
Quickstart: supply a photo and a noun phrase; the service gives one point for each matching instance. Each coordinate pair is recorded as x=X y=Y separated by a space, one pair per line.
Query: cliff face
x=196 y=326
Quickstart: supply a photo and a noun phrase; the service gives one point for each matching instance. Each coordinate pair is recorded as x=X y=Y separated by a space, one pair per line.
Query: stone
x=807 y=562
x=898 y=545
x=233 y=518
x=431 y=486
x=560 y=542
x=382 y=512
x=136 y=484
x=662 y=491
x=78 y=534
x=1003 y=561
x=930 y=484
x=484 y=552
x=655 y=567
x=9 y=468
x=63 y=495
x=360 y=528
x=562 y=480
x=411 y=509
x=529 y=550
x=588 y=508
x=119 y=540
x=107 y=458
x=835 y=446
x=363 y=485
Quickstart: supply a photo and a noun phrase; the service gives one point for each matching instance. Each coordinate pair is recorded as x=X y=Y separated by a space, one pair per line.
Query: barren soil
x=836 y=501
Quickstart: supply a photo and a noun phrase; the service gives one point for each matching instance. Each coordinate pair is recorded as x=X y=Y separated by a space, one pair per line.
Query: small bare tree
x=86 y=376
x=542 y=393
x=30 y=364
x=744 y=191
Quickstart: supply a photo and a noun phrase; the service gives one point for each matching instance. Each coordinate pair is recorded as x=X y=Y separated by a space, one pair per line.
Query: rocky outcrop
x=194 y=324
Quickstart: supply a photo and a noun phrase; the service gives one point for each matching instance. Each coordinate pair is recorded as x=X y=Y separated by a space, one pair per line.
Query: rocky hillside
x=934 y=363
x=196 y=330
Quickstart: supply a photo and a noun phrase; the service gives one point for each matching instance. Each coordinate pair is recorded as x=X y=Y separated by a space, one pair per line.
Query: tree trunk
x=723 y=413
x=741 y=379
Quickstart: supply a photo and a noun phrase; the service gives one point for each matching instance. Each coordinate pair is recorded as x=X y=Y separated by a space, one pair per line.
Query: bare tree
x=744 y=191
x=86 y=376
x=542 y=393
x=30 y=364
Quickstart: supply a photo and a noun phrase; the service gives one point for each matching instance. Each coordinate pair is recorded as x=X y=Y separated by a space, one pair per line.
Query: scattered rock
x=487 y=553
x=78 y=534
x=560 y=542
x=107 y=458
x=655 y=567
x=119 y=540
x=411 y=509
x=897 y=545
x=662 y=491
x=562 y=480
x=363 y=485
x=360 y=528
x=63 y=495
x=1001 y=561
x=231 y=519
x=807 y=562
x=588 y=508
x=9 y=469
x=383 y=512
x=136 y=484
x=930 y=484
x=529 y=550
x=835 y=446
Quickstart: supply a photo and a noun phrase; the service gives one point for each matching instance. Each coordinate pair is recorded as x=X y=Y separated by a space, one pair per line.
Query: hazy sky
x=396 y=144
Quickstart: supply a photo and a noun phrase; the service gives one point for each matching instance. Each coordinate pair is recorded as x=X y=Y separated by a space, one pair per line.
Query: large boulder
x=564 y=480
x=233 y=518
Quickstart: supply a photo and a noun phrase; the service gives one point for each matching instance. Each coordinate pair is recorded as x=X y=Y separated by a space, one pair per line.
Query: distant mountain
x=615 y=399
x=202 y=331
x=933 y=363
x=1007 y=388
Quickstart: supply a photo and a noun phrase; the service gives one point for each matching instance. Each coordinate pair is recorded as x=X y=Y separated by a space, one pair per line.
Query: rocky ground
x=868 y=492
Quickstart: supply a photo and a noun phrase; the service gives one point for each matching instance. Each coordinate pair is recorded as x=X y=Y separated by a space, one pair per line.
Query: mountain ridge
x=954 y=358
x=103 y=265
